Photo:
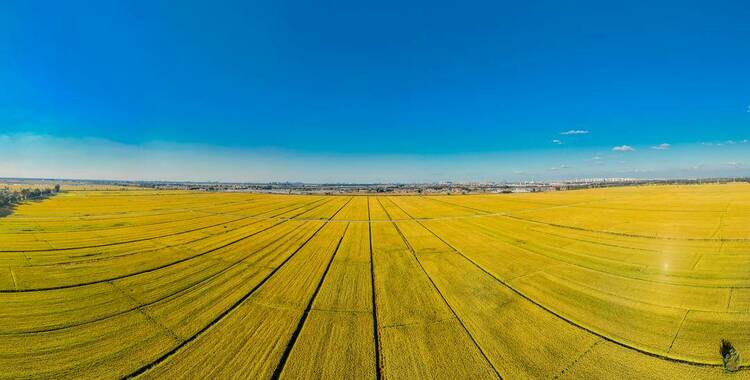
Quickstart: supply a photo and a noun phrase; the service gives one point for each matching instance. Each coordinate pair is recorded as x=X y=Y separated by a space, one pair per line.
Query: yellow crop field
x=627 y=282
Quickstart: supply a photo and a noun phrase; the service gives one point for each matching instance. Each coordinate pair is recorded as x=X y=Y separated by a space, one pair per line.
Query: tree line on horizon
x=12 y=197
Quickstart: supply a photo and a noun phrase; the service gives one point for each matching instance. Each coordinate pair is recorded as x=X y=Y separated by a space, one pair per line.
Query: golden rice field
x=639 y=282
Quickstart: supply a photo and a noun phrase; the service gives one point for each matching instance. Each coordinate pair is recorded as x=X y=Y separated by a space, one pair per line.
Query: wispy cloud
x=556 y=141
x=727 y=142
x=623 y=148
x=663 y=146
x=575 y=132
x=559 y=167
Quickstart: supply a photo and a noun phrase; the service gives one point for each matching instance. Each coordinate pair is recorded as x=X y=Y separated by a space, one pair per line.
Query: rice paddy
x=641 y=282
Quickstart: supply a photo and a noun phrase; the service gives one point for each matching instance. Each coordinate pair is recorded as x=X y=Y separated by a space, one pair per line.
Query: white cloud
x=727 y=142
x=556 y=141
x=733 y=163
x=575 y=132
x=623 y=148
x=664 y=146
x=596 y=158
x=560 y=167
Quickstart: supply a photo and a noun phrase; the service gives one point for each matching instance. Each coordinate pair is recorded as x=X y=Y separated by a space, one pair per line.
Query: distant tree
x=730 y=356
x=57 y=188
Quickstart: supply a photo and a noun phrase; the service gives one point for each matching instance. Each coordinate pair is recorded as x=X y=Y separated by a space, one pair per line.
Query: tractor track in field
x=435 y=287
x=347 y=221
x=501 y=235
x=157 y=267
x=576 y=360
x=570 y=321
x=112 y=228
x=231 y=308
x=624 y=234
x=238 y=276
x=301 y=324
x=483 y=214
x=641 y=279
x=594 y=242
x=565 y=226
x=595 y=269
x=141 y=305
x=131 y=253
x=375 y=326
x=124 y=215
x=144 y=239
x=423 y=219
x=153 y=321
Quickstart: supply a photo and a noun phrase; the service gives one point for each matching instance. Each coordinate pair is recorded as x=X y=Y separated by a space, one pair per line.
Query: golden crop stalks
x=636 y=282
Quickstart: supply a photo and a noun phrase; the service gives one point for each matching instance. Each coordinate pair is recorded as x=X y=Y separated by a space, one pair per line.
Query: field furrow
x=637 y=282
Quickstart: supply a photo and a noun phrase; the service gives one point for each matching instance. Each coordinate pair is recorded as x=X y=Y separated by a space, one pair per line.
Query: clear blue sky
x=345 y=91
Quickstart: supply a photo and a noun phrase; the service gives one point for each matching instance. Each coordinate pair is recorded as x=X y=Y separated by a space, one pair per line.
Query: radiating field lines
x=110 y=228
x=141 y=305
x=145 y=270
x=195 y=230
x=226 y=312
x=414 y=254
x=677 y=331
x=513 y=216
x=564 y=318
x=380 y=286
x=627 y=234
x=574 y=323
x=134 y=240
x=125 y=215
x=572 y=262
x=301 y=323
x=415 y=311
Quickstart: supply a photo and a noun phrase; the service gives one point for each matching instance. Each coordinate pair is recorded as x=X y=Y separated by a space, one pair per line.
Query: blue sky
x=340 y=91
